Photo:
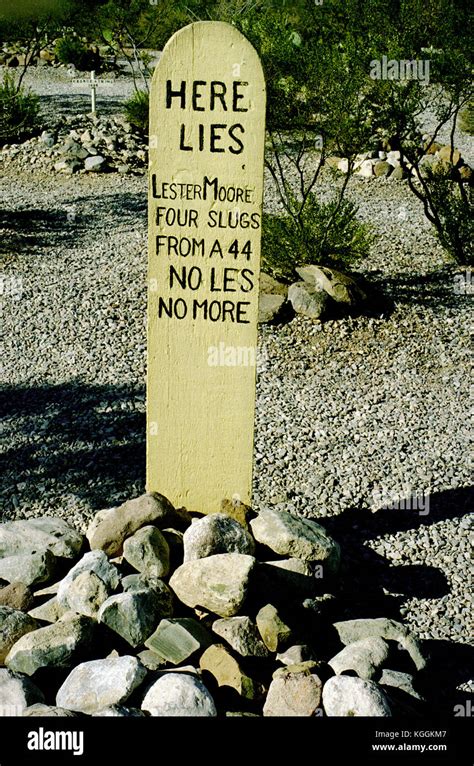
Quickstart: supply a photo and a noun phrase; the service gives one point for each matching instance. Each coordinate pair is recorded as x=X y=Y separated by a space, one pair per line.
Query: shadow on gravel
x=75 y=221
x=367 y=576
x=366 y=573
x=449 y=286
x=36 y=228
x=84 y=440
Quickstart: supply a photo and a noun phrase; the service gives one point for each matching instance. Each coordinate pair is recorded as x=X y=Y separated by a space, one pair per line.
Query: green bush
x=466 y=119
x=451 y=206
x=71 y=50
x=19 y=111
x=327 y=234
x=136 y=111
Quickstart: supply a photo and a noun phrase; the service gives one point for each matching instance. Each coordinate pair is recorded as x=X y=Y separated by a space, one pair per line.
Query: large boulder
x=147 y=551
x=218 y=583
x=163 y=594
x=56 y=645
x=293 y=536
x=179 y=694
x=86 y=593
x=93 y=562
x=133 y=615
x=215 y=534
x=242 y=635
x=294 y=694
x=218 y=661
x=49 y=611
x=350 y=696
x=276 y=635
x=271 y=298
x=308 y=300
x=46 y=533
x=28 y=568
x=364 y=657
x=338 y=286
x=382 y=627
x=111 y=527
x=268 y=285
x=95 y=685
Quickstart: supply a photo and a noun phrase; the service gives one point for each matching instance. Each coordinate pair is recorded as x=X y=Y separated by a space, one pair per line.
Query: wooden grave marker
x=207 y=128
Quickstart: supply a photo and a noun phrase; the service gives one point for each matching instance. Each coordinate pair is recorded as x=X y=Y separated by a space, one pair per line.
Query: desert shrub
x=326 y=234
x=71 y=50
x=19 y=110
x=451 y=205
x=136 y=111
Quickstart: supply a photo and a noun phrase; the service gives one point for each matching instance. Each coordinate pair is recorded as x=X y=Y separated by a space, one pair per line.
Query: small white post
x=93 y=87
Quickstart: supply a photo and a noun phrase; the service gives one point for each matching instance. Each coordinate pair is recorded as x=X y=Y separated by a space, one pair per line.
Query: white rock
x=94 y=561
x=350 y=696
x=216 y=533
x=295 y=655
x=217 y=583
x=179 y=694
x=86 y=593
x=47 y=138
x=308 y=300
x=366 y=169
x=45 y=533
x=297 y=537
x=365 y=657
x=95 y=163
x=28 y=568
x=390 y=630
x=393 y=158
x=95 y=685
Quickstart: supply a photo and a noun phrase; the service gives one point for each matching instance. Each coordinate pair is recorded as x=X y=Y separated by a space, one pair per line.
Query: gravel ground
x=352 y=416
x=69 y=91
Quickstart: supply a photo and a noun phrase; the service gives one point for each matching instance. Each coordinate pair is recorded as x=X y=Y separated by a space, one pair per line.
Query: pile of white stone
x=160 y=613
x=82 y=144
x=387 y=164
